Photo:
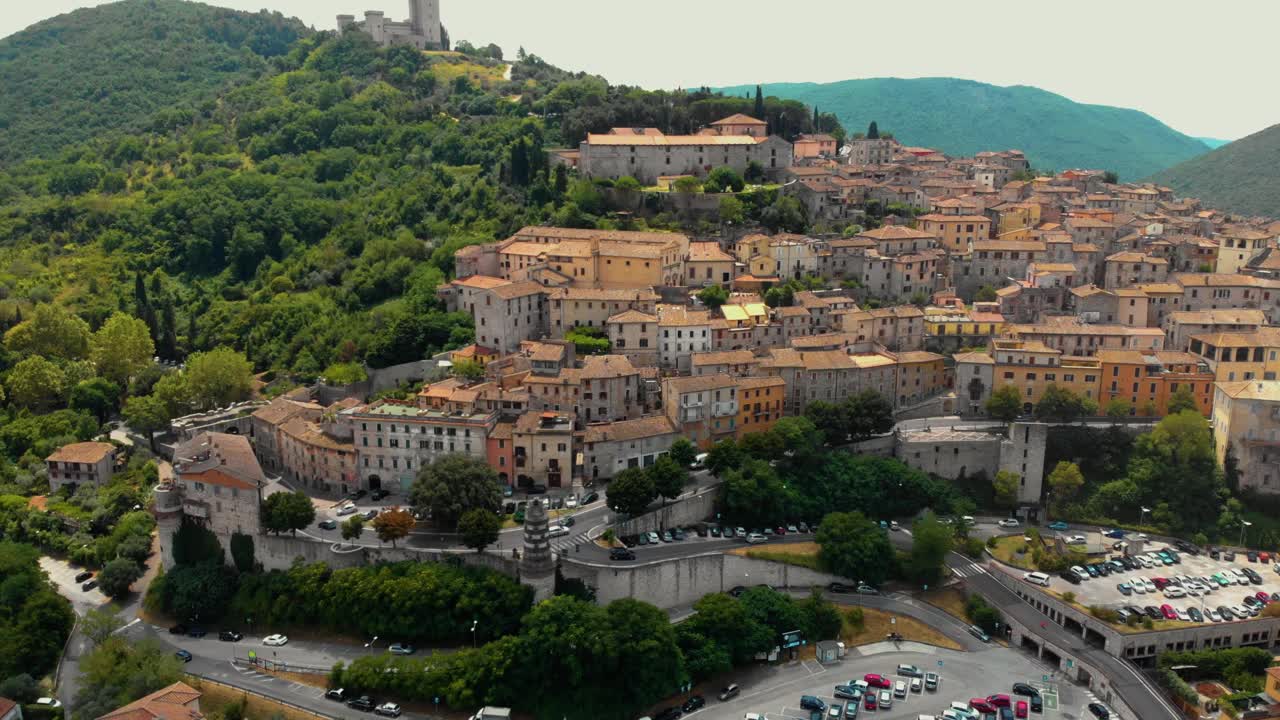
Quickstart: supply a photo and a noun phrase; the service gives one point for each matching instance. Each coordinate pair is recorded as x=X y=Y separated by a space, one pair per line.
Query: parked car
x=1058 y=525
x=731 y=691
x=183 y=655
x=346 y=509
x=401 y=649
x=621 y=554
x=1099 y=711
x=847 y=692
x=1168 y=612
x=275 y=640
x=1020 y=709
x=178 y=629
x=1070 y=576
x=910 y=671
x=693 y=703
x=327 y=524
x=931 y=681
x=671 y=713
x=89 y=585
x=379 y=494
x=877 y=681
x=756 y=538
x=590 y=498
x=197 y=632
x=81 y=577
x=338 y=694
x=979 y=633
x=885 y=700
x=387 y=709
x=230 y=636
x=364 y=703
x=1009 y=523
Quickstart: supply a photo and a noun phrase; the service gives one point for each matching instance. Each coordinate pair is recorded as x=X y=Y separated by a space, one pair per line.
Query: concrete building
x=953 y=454
x=1126 y=269
x=682 y=332
x=1120 y=306
x=82 y=463
x=422 y=30
x=217 y=484
x=634 y=334
x=975 y=379
x=608 y=448
x=921 y=375
x=1072 y=337
x=1240 y=355
x=506 y=313
x=1246 y=422
x=606 y=387
x=1032 y=367
x=871 y=152
x=1213 y=291
x=831 y=375
x=394 y=439
x=1179 y=327
x=319 y=455
x=543 y=450
x=703 y=409
x=267 y=421
x=1238 y=245
x=993 y=262
x=651 y=154
x=725 y=362
x=898 y=328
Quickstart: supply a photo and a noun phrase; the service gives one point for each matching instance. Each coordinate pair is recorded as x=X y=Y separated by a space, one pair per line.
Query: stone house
x=703 y=409
x=634 y=334
x=608 y=448
x=82 y=463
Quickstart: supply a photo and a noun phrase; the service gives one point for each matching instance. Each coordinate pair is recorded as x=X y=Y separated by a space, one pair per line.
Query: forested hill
x=1243 y=176
x=304 y=219
x=68 y=78
x=962 y=117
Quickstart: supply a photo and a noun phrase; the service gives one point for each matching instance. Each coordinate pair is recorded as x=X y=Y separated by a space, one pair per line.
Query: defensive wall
x=279 y=552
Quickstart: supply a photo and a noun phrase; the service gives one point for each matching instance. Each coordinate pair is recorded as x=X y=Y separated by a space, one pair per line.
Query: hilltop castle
x=422 y=30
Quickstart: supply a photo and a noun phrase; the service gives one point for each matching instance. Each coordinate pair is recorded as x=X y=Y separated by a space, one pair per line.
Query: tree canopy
x=452 y=485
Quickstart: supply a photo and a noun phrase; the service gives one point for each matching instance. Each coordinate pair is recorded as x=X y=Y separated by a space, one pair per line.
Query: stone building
x=267 y=421
x=569 y=307
x=217 y=484
x=1180 y=326
x=704 y=409
x=831 y=375
x=1126 y=269
x=682 y=332
x=319 y=455
x=82 y=463
x=634 y=334
x=609 y=448
x=394 y=439
x=1246 y=423
x=422 y=30
x=537 y=563
x=543 y=450
x=647 y=154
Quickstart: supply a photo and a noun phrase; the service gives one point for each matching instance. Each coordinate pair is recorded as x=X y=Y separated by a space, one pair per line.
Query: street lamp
x=371 y=642
x=1244 y=525
x=474 y=623
x=1144 y=510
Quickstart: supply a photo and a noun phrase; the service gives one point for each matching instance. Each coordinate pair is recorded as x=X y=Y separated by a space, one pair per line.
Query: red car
x=999 y=700
x=1264 y=557
x=780 y=530
x=981 y=705
x=877 y=681
x=1020 y=710
x=1160 y=583
x=1263 y=598
x=1168 y=612
x=869 y=701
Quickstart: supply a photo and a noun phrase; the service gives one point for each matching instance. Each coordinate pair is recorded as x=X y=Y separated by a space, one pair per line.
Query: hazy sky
x=1203 y=69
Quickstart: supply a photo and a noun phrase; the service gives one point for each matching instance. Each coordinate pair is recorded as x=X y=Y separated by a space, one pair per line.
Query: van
x=809 y=702
x=1036 y=578
x=961 y=709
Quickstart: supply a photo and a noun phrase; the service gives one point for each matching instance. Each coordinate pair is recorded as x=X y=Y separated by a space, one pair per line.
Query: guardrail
x=281 y=666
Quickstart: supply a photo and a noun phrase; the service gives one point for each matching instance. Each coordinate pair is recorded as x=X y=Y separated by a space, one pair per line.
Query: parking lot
x=1192 y=582
x=962 y=676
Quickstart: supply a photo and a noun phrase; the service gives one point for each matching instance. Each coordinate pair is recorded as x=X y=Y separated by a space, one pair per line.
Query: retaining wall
x=682 y=512
x=280 y=553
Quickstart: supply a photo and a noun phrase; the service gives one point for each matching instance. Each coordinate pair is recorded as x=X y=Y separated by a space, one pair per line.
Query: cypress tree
x=759 y=112
x=873 y=132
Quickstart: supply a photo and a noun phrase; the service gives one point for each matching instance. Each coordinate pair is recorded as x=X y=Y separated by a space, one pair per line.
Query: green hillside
x=1243 y=176
x=68 y=78
x=962 y=117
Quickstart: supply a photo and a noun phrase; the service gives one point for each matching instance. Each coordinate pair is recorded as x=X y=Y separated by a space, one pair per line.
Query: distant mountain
x=963 y=117
x=1213 y=143
x=1243 y=176
x=68 y=78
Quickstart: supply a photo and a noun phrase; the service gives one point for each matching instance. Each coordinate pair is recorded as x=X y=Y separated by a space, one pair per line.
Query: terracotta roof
x=753 y=382
x=532 y=249
x=82 y=452
x=623 y=430
x=1136 y=257
x=708 y=252
x=792 y=311
x=310 y=433
x=482 y=282
x=1222 y=280
x=219 y=459
x=723 y=357
x=897 y=232
x=954 y=218
x=1012 y=245
x=632 y=316
x=1225 y=316
x=1268 y=390
x=974 y=357
x=1055 y=267
x=178 y=701
x=631 y=236
x=618 y=294
x=739 y=119
x=661 y=140
x=918 y=356
x=281 y=409
x=606 y=366
x=1262 y=337
x=518 y=289
x=700 y=383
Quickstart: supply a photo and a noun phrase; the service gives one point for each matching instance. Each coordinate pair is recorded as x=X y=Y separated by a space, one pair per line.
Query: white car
x=1084 y=574
x=557 y=530
x=653 y=538
x=1143 y=561
x=756 y=538
x=1138 y=587
x=1240 y=611
x=1212 y=615
x=275 y=640
x=49 y=702
x=1009 y=523
x=1173 y=592
x=571 y=501
x=346 y=509
x=1182 y=615
x=1150 y=586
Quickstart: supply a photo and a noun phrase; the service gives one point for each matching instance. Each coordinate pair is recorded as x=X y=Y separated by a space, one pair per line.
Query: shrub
x=344 y=374
x=973 y=547
x=1069 y=596
x=856 y=619
x=992 y=542
x=1106 y=615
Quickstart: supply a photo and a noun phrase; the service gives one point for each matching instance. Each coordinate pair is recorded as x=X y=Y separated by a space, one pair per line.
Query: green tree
x=479 y=528
x=97 y=396
x=855 y=547
x=631 y=491
x=1005 y=404
x=1063 y=405
x=100 y=623
x=353 y=527
x=121 y=347
x=147 y=415
x=732 y=210
x=393 y=524
x=1065 y=480
x=242 y=552
x=121 y=670
x=683 y=452
x=35 y=383
x=51 y=332
x=687 y=184
x=873 y=131
x=819 y=618
x=1182 y=400
x=754 y=495
x=723 y=456
x=724 y=179
x=986 y=293
x=201 y=591
x=1004 y=488
x=1119 y=408
x=468 y=369
x=287 y=512
x=930 y=543
x=1176 y=464
x=713 y=296
x=669 y=477
x=118 y=576
x=218 y=377
x=452 y=485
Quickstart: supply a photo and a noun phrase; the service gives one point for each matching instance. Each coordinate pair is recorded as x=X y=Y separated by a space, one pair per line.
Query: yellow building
x=1246 y=419
x=1240 y=355
x=746 y=314
x=1016 y=216
x=952 y=322
x=956 y=232
x=760 y=403
x=708 y=265
x=1032 y=367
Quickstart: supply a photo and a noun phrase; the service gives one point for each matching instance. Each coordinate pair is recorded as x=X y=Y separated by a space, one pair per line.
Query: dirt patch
x=320 y=680
x=38 y=502
x=802 y=554
x=949 y=600
x=877 y=624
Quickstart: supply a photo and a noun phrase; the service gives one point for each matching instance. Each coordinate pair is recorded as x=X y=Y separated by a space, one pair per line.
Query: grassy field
x=801 y=554
x=1015 y=551
x=877 y=624
x=216 y=696
x=948 y=600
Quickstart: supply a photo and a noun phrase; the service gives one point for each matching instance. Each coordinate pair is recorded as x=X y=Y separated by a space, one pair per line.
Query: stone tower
x=537 y=565
x=424 y=17
x=168 y=513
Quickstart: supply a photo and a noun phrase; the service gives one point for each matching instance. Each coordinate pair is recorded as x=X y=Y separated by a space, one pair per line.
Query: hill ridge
x=1242 y=176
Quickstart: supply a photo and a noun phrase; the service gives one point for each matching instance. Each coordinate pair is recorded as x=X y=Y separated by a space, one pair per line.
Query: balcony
x=723 y=409
x=195 y=509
